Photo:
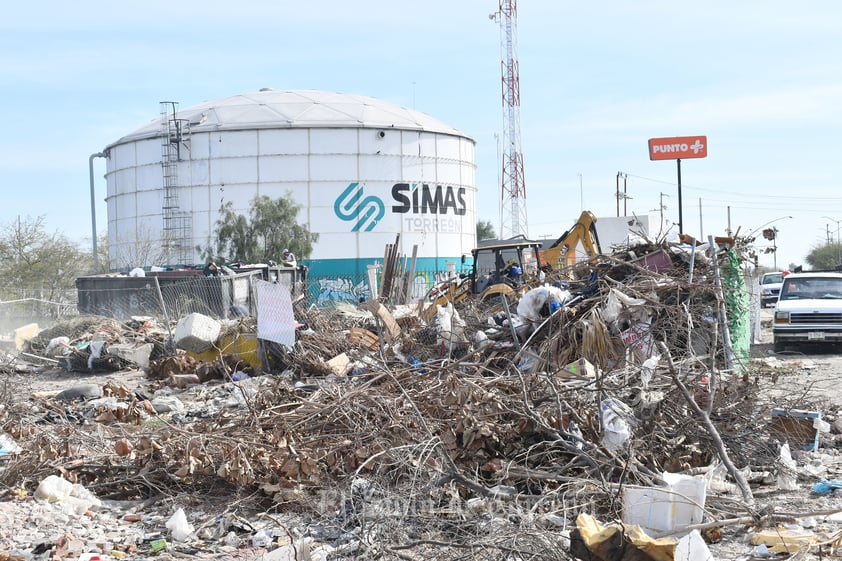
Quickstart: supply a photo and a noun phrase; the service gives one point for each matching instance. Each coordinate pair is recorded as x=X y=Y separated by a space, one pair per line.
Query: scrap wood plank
x=393 y=330
x=389 y=263
x=340 y=364
x=410 y=277
x=364 y=338
x=386 y=280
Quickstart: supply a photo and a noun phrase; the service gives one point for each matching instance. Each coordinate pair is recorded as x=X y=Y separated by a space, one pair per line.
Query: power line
x=711 y=190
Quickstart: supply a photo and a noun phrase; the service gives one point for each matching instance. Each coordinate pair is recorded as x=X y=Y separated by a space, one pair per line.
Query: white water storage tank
x=363 y=171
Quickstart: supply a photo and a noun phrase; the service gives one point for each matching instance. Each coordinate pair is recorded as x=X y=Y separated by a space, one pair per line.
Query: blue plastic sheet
x=827 y=485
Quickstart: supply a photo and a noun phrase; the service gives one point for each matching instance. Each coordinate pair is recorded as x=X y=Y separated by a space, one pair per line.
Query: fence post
x=166 y=315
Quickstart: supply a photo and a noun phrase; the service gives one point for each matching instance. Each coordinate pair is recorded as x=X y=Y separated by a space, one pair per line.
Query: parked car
x=809 y=309
x=770 y=287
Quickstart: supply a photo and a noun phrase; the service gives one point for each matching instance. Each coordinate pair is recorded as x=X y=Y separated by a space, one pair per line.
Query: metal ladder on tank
x=178 y=224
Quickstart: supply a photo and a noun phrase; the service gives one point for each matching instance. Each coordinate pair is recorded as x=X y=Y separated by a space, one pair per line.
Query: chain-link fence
x=168 y=297
x=172 y=296
x=23 y=305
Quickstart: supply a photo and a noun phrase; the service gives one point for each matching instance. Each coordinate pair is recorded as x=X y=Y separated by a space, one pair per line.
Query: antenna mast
x=513 y=200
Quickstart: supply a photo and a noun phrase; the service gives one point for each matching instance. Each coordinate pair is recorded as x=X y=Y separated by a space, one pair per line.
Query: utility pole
x=618 y=194
x=701 y=227
x=625 y=195
x=838 y=240
x=662 y=207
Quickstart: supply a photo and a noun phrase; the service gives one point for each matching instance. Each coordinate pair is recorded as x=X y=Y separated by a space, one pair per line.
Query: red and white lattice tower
x=513 y=200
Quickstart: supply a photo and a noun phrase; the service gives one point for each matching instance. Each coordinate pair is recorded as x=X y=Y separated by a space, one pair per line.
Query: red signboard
x=678 y=147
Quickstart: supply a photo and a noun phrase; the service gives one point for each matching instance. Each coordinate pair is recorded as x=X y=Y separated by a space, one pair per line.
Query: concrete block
x=196 y=332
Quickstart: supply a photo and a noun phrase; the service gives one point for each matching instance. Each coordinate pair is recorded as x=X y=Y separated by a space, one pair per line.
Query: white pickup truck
x=809 y=309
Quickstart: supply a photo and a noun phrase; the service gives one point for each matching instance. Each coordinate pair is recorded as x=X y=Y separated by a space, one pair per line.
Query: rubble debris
x=489 y=430
x=84 y=391
x=8 y=445
x=98 y=344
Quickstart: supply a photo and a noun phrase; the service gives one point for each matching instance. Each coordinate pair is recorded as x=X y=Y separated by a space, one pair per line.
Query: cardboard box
x=797 y=427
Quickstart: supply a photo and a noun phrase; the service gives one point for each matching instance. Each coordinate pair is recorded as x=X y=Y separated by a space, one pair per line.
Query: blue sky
x=760 y=78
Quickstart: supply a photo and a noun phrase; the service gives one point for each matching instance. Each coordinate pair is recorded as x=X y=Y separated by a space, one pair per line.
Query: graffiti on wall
x=342 y=289
x=349 y=289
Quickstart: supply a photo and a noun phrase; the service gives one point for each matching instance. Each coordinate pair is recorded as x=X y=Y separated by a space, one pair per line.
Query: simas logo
x=423 y=199
x=423 y=206
x=350 y=205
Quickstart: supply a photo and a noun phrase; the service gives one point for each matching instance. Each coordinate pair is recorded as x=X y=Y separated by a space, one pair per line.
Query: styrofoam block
x=196 y=332
x=664 y=509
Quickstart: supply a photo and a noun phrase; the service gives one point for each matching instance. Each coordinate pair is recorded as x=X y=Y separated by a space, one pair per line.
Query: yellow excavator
x=562 y=253
x=498 y=269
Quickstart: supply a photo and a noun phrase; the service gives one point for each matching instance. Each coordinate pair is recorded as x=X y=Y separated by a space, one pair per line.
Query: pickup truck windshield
x=811 y=288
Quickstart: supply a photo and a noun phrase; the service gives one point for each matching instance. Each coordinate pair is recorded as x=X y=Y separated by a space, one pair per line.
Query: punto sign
x=678 y=147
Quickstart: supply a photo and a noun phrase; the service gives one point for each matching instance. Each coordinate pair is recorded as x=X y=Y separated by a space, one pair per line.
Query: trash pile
x=611 y=412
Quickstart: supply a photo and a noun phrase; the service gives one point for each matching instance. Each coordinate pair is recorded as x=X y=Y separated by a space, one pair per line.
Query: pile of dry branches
x=470 y=449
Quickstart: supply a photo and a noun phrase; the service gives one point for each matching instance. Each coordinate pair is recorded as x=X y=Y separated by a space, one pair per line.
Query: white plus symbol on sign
x=697 y=146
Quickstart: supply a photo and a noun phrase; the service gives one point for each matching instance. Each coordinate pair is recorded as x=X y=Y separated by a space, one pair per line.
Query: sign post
x=676 y=148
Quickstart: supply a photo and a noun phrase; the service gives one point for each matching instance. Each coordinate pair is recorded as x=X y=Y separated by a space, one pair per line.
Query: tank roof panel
x=273 y=109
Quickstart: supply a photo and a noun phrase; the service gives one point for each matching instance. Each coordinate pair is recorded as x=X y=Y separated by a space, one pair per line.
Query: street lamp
x=771 y=236
x=838 y=242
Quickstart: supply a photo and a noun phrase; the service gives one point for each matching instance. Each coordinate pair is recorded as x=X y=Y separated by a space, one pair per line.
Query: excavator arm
x=562 y=253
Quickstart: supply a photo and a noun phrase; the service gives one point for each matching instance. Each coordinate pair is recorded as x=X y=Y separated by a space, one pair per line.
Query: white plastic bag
x=74 y=498
x=451 y=327
x=96 y=352
x=617 y=424
x=530 y=305
x=262 y=538
x=647 y=370
x=179 y=526
x=53 y=489
x=56 y=346
x=787 y=470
